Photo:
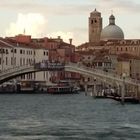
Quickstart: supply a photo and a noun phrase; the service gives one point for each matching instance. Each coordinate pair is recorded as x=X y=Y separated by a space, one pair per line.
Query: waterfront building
x=23 y=50
x=111 y=38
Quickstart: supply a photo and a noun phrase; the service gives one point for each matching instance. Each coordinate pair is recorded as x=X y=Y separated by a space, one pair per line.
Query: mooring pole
x=86 y=86
x=86 y=89
x=123 y=89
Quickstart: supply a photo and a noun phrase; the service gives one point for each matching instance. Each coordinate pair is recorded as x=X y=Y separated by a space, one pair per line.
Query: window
x=91 y=21
x=11 y=60
x=6 y=61
x=15 y=61
x=6 y=51
x=126 y=48
x=23 y=77
x=20 y=61
x=99 y=63
x=27 y=62
x=23 y=61
x=44 y=75
x=2 y=51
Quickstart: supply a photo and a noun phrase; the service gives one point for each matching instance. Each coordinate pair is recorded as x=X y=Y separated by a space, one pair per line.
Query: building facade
x=15 y=54
x=23 y=50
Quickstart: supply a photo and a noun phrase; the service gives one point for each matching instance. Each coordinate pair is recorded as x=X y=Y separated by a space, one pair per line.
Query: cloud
x=70 y=8
x=77 y=34
x=44 y=7
x=66 y=11
x=36 y=25
x=33 y=23
x=127 y=6
x=80 y=35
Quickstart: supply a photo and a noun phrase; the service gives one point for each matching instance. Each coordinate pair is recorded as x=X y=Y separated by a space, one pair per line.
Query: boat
x=62 y=88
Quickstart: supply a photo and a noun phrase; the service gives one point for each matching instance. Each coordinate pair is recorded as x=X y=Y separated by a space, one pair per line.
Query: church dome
x=112 y=31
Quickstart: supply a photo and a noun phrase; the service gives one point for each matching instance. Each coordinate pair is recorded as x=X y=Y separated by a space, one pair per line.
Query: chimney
x=59 y=37
x=70 y=40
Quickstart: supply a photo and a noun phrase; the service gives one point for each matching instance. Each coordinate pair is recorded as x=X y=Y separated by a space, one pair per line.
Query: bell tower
x=95 y=26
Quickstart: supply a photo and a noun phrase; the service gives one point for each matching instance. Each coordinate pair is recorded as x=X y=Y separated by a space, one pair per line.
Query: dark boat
x=62 y=88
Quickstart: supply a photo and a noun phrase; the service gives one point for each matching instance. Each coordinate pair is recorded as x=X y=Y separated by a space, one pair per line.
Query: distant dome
x=112 y=31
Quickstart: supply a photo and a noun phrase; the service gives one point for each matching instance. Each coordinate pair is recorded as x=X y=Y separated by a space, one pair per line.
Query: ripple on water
x=72 y=117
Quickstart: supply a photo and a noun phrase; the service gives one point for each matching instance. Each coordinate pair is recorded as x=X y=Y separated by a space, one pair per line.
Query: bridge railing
x=14 y=69
x=103 y=73
x=49 y=66
x=60 y=66
x=40 y=66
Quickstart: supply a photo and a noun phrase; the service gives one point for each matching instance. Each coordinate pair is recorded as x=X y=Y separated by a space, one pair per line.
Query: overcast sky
x=66 y=18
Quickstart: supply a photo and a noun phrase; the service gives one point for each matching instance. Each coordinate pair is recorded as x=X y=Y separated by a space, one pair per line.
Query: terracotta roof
x=9 y=42
x=85 y=52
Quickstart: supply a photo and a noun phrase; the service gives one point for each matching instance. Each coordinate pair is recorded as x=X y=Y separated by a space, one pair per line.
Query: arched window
x=126 y=48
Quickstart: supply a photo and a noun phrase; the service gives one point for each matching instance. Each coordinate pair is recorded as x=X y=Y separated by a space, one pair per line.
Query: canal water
x=66 y=117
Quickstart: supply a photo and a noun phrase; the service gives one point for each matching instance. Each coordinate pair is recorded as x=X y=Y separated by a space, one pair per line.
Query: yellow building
x=135 y=68
x=123 y=66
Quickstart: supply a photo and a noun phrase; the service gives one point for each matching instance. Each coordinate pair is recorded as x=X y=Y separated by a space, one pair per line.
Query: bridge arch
x=99 y=74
